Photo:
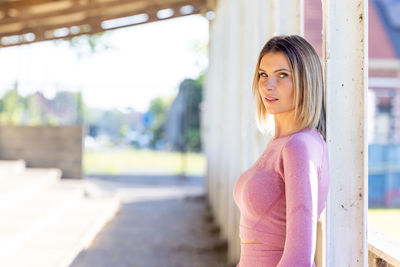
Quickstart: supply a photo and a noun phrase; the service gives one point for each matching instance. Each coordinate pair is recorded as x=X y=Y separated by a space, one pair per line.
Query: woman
x=283 y=194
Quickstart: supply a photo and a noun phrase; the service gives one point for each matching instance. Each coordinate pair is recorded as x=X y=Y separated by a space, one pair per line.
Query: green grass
x=385 y=221
x=131 y=161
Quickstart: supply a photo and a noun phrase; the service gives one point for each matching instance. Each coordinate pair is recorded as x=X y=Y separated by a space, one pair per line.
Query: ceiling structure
x=28 y=21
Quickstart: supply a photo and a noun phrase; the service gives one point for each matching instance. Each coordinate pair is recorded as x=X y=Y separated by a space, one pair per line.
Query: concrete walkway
x=162 y=222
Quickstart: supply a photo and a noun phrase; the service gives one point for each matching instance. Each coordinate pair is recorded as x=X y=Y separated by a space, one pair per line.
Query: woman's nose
x=270 y=84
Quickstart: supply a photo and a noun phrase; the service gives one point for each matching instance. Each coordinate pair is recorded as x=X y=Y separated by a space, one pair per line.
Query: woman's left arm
x=301 y=191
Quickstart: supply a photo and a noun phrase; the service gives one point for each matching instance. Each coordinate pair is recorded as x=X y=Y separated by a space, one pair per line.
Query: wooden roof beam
x=15 y=24
x=93 y=24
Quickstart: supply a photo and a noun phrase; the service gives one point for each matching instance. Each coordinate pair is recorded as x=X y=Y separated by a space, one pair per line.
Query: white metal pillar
x=346 y=69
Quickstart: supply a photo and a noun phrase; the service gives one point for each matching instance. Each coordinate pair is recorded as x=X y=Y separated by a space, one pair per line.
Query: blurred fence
x=384 y=175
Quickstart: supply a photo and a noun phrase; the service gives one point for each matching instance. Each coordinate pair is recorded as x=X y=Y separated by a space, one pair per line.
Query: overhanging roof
x=28 y=21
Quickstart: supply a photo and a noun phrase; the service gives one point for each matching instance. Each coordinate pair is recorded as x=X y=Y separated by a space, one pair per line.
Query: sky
x=145 y=61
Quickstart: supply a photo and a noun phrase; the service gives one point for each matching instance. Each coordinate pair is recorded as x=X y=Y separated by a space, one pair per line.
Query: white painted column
x=208 y=120
x=215 y=86
x=346 y=69
x=265 y=25
x=218 y=118
x=225 y=99
x=245 y=140
x=233 y=123
x=290 y=17
x=223 y=116
x=267 y=21
x=253 y=39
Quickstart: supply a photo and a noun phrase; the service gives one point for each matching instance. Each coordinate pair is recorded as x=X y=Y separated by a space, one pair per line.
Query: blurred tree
x=81 y=109
x=86 y=45
x=123 y=130
x=191 y=130
x=65 y=108
x=111 y=122
x=183 y=119
x=158 y=110
x=199 y=50
x=51 y=119
x=11 y=107
x=33 y=112
x=69 y=107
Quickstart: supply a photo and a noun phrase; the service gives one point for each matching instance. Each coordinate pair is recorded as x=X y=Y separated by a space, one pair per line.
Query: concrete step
x=21 y=186
x=11 y=168
x=51 y=227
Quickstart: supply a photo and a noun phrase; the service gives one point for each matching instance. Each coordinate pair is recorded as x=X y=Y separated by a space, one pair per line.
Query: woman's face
x=275 y=83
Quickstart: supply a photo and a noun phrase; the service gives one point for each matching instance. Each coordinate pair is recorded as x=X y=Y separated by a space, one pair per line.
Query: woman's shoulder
x=304 y=142
x=305 y=137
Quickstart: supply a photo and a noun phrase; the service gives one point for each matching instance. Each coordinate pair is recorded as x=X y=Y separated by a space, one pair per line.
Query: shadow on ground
x=171 y=230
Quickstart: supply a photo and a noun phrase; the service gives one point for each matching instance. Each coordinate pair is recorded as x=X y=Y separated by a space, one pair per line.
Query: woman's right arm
x=301 y=192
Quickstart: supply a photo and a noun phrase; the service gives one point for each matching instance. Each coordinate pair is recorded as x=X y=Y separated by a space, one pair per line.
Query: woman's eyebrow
x=282 y=69
x=260 y=69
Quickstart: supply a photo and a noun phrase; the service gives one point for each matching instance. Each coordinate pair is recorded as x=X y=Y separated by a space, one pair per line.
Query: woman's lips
x=271 y=100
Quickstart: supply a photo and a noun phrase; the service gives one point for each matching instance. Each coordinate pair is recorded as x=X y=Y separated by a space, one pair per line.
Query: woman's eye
x=263 y=74
x=283 y=75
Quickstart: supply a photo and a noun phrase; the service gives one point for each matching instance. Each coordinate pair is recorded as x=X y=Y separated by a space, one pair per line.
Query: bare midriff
x=248 y=241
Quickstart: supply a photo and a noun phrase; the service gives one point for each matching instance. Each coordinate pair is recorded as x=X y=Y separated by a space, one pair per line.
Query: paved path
x=162 y=222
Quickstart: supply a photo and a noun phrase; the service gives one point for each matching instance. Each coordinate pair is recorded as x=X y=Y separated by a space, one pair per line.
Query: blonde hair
x=308 y=82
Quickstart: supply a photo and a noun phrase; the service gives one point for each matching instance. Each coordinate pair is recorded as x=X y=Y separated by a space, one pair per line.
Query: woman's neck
x=285 y=124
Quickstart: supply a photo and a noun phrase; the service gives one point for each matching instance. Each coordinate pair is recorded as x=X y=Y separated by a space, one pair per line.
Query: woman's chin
x=271 y=112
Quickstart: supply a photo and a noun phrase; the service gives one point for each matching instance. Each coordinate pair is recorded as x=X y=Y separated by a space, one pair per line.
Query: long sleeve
x=301 y=192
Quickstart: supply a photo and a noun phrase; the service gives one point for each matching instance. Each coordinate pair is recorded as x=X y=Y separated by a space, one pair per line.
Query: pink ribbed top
x=281 y=196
